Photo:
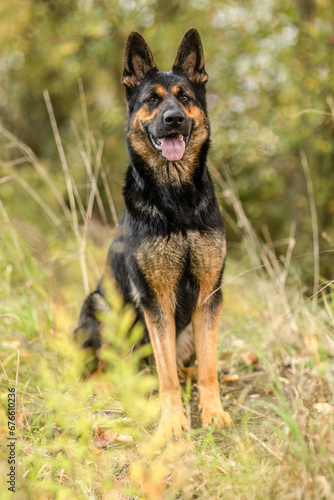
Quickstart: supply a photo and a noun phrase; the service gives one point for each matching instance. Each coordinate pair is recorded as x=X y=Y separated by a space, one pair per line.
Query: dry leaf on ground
x=249 y=358
x=232 y=377
x=323 y=408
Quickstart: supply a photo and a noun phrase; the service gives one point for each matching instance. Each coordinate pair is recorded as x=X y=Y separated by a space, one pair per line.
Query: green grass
x=94 y=438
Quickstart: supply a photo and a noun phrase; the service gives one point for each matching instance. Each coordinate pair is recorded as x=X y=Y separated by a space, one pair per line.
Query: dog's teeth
x=181 y=137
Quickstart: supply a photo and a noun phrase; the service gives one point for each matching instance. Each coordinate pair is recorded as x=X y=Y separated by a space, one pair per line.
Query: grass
x=95 y=438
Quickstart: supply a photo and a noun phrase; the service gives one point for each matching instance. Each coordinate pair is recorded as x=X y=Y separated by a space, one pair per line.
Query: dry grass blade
x=315 y=229
x=70 y=191
x=30 y=157
x=288 y=256
x=4 y=372
x=309 y=298
x=94 y=191
x=258 y=251
x=85 y=118
x=109 y=197
x=278 y=457
x=38 y=200
x=63 y=161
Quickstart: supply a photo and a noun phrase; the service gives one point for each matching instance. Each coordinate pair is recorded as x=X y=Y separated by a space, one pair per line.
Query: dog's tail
x=87 y=334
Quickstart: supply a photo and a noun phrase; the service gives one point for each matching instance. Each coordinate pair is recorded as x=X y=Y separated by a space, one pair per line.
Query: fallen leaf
x=249 y=358
x=323 y=408
x=238 y=343
x=230 y=395
x=232 y=377
x=284 y=380
x=123 y=438
x=13 y=344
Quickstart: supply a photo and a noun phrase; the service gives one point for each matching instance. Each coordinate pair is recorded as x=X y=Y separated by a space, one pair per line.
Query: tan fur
x=205 y=323
x=163 y=342
x=161 y=261
x=160 y=90
x=176 y=90
x=207 y=258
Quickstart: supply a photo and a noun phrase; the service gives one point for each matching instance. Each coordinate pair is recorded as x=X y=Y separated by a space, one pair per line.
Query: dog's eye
x=151 y=99
x=184 y=98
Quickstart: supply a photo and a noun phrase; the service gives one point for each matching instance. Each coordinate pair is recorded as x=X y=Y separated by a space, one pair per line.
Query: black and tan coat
x=168 y=254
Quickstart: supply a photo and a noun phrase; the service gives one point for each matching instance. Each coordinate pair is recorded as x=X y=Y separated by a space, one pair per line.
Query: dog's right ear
x=138 y=60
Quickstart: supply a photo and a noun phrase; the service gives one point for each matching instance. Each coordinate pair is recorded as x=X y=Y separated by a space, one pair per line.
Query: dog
x=168 y=254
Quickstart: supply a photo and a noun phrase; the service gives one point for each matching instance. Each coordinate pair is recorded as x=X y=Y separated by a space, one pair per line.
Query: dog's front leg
x=205 y=323
x=160 y=323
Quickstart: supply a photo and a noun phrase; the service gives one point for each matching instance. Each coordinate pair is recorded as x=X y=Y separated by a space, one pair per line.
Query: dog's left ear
x=190 y=57
x=138 y=60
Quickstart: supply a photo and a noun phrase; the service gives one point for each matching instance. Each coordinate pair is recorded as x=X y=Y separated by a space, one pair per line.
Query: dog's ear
x=190 y=57
x=138 y=60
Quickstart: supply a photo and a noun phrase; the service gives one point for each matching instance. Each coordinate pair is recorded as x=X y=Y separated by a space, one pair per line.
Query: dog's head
x=167 y=115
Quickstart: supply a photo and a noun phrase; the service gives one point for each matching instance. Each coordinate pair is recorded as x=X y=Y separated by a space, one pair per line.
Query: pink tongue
x=173 y=148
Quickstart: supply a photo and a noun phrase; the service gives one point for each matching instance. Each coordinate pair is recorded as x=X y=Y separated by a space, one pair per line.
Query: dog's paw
x=172 y=424
x=214 y=414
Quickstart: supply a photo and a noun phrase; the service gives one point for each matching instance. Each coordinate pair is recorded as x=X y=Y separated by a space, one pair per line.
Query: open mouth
x=171 y=147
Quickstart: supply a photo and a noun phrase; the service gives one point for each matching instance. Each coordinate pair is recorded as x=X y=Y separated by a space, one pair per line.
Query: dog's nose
x=173 y=117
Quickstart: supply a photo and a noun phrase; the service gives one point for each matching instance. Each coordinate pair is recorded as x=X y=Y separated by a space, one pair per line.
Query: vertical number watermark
x=11 y=439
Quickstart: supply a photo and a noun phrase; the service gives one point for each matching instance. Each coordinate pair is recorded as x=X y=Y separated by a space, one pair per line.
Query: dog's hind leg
x=186 y=354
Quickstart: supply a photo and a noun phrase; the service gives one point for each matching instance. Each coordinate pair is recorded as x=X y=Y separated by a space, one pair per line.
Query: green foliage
x=270 y=94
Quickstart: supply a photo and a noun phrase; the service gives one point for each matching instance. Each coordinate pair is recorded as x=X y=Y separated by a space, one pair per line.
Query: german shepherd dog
x=167 y=258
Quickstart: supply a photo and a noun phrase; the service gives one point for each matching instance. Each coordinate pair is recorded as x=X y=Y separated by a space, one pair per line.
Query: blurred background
x=270 y=97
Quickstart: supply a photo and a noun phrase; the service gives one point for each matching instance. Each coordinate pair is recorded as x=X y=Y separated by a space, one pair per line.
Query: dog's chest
x=165 y=261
